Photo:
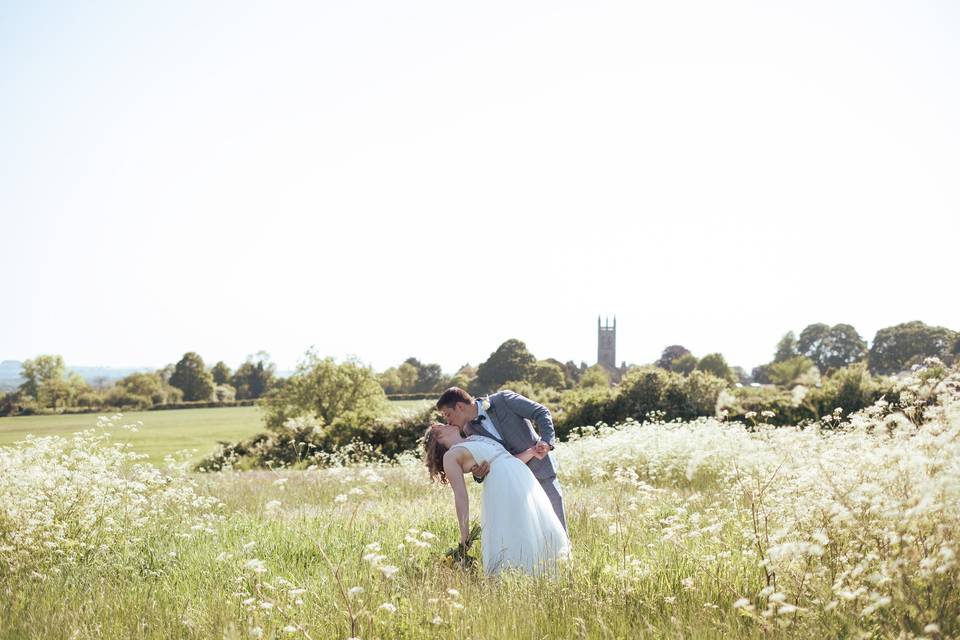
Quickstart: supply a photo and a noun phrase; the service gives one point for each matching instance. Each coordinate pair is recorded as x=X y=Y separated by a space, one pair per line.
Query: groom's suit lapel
x=482 y=430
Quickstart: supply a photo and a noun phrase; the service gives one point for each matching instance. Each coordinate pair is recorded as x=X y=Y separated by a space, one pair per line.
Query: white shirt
x=487 y=423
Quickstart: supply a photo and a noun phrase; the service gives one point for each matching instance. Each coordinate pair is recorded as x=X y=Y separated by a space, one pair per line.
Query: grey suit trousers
x=552 y=489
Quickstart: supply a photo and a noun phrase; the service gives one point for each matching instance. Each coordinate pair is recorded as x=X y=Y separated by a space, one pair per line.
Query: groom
x=505 y=416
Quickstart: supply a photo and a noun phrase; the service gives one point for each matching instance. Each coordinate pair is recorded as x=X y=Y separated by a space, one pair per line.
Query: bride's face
x=447 y=434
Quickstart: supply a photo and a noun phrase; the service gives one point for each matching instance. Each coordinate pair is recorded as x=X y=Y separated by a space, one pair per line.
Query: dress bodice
x=483 y=449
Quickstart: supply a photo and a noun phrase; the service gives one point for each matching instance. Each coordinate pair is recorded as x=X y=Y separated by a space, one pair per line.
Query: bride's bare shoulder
x=460 y=455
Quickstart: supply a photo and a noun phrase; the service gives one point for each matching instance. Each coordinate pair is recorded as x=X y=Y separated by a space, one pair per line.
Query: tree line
x=819 y=351
x=49 y=386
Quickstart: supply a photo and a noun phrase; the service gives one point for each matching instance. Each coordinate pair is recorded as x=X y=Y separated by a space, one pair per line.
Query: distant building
x=607 y=343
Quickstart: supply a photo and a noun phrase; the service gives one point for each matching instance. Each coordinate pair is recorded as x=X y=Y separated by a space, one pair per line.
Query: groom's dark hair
x=452 y=396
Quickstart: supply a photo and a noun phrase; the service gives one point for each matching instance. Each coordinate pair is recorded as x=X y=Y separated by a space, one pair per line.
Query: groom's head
x=457 y=406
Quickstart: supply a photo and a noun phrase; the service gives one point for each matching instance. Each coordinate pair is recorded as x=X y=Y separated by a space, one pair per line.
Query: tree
x=685 y=364
x=844 y=348
x=715 y=364
x=463 y=378
x=573 y=371
x=548 y=374
x=61 y=391
x=408 y=375
x=568 y=380
x=898 y=347
x=47 y=382
x=150 y=386
x=831 y=348
x=812 y=340
x=670 y=354
x=390 y=381
x=191 y=376
x=761 y=374
x=792 y=371
x=786 y=348
x=334 y=394
x=225 y=393
x=254 y=377
x=429 y=376
x=740 y=375
x=42 y=370
x=511 y=361
x=221 y=373
x=594 y=377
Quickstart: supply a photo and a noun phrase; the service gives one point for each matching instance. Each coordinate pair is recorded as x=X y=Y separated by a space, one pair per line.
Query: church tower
x=607 y=343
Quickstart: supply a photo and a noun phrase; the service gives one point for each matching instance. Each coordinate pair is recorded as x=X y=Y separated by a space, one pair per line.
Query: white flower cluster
x=84 y=498
x=861 y=519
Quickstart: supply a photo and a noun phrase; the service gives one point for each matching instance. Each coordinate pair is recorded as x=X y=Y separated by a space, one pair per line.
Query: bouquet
x=459 y=554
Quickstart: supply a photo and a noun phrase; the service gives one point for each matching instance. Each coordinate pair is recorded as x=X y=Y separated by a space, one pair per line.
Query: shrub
x=307 y=440
x=120 y=398
x=331 y=393
x=643 y=391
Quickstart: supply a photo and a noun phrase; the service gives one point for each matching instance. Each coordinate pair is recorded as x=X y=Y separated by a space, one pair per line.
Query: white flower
x=256 y=632
x=352 y=591
x=388 y=607
x=266 y=605
x=454 y=593
x=388 y=570
x=273 y=505
x=741 y=603
x=932 y=629
x=249 y=545
x=340 y=498
x=437 y=620
x=255 y=565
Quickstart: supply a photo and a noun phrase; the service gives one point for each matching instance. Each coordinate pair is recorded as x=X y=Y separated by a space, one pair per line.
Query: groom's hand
x=480 y=470
x=542 y=449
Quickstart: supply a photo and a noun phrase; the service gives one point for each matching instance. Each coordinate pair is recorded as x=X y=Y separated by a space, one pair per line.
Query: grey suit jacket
x=512 y=414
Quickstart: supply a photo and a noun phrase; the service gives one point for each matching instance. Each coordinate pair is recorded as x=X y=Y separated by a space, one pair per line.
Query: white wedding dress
x=520 y=528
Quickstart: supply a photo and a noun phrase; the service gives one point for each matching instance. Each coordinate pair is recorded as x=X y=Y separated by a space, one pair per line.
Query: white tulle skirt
x=520 y=528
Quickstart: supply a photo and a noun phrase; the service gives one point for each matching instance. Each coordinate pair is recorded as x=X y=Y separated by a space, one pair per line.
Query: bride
x=520 y=529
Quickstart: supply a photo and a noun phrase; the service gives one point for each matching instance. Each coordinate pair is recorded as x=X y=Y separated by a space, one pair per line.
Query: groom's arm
x=527 y=408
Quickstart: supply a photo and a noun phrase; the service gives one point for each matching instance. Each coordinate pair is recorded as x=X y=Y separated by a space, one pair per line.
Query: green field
x=163 y=432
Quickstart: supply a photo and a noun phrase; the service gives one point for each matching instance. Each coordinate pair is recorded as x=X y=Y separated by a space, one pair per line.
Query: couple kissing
x=493 y=438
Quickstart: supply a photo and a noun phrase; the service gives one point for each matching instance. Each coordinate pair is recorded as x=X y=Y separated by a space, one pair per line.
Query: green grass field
x=705 y=530
x=163 y=432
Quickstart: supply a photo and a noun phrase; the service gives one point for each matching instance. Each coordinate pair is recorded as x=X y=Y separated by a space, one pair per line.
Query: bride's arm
x=454 y=473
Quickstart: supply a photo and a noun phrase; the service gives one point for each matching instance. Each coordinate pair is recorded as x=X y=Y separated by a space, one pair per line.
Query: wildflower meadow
x=847 y=527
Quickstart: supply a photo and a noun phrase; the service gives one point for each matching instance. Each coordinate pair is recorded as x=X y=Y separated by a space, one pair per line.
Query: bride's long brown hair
x=433 y=455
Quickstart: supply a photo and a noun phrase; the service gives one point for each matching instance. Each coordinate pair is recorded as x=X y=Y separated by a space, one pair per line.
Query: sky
x=392 y=179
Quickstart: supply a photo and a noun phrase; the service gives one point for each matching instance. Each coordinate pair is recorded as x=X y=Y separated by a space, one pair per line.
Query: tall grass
x=680 y=530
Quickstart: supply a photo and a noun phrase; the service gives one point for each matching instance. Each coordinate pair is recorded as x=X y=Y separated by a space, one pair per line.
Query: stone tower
x=607 y=343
